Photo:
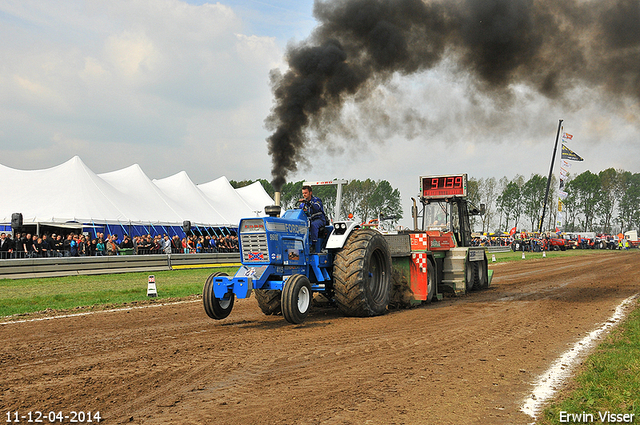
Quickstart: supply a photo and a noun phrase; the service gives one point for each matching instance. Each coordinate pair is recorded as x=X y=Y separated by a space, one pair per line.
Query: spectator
x=166 y=245
x=101 y=248
x=199 y=247
x=73 y=246
x=89 y=247
x=212 y=244
x=176 y=245
x=66 y=245
x=127 y=243
x=36 y=244
x=112 y=247
x=5 y=243
x=45 y=247
x=82 y=246
x=58 y=246
x=26 y=245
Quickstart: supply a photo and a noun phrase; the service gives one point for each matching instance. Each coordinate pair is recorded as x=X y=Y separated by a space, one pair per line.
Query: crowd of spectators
x=26 y=245
x=491 y=241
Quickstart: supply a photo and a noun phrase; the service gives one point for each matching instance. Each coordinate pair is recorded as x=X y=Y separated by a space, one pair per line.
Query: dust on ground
x=467 y=360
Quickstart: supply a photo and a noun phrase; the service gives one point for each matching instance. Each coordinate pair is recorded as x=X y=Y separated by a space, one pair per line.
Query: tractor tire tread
x=349 y=274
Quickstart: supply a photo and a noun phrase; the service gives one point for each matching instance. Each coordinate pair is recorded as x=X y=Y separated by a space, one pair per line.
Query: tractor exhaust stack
x=274 y=210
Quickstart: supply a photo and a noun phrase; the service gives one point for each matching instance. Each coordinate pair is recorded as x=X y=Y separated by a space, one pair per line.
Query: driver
x=312 y=207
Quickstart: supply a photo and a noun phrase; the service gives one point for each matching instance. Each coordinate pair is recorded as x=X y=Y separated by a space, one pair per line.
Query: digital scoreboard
x=442 y=187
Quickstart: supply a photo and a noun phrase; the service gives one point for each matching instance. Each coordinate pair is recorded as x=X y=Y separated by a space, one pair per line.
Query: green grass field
x=608 y=382
x=64 y=293
x=517 y=256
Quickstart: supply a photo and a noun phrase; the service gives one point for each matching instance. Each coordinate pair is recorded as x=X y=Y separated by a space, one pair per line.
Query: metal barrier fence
x=498 y=248
x=70 y=266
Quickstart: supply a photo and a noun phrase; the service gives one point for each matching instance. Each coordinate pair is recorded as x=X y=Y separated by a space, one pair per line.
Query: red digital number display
x=444 y=186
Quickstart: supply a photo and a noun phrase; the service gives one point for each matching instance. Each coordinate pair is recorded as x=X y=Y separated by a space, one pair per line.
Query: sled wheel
x=216 y=308
x=296 y=298
x=470 y=275
x=431 y=281
x=482 y=275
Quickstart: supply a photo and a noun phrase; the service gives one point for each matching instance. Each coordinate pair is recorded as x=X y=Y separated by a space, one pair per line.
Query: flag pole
x=553 y=159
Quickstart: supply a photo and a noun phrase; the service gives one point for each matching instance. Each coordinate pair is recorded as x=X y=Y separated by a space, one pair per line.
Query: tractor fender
x=340 y=233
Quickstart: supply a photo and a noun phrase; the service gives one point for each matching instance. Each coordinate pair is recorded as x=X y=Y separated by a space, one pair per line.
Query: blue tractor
x=350 y=266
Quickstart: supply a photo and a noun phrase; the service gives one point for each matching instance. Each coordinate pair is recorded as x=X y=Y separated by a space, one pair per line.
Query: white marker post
x=151 y=287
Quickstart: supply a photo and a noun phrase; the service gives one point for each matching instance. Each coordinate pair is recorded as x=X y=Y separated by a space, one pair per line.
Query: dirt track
x=469 y=360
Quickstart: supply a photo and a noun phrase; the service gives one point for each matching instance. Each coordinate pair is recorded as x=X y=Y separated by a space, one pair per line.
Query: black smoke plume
x=549 y=45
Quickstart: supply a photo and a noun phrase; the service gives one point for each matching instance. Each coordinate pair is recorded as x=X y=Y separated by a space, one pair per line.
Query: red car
x=555 y=244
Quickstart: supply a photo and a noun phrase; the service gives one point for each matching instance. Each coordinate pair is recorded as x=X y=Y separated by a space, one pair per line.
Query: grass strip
x=505 y=257
x=23 y=296
x=608 y=384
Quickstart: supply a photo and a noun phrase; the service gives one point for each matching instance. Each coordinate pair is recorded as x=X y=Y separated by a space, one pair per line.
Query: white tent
x=230 y=204
x=157 y=207
x=256 y=197
x=67 y=192
x=71 y=193
x=183 y=191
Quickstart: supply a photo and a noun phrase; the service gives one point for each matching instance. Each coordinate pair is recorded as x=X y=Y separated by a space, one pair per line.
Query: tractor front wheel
x=216 y=308
x=296 y=298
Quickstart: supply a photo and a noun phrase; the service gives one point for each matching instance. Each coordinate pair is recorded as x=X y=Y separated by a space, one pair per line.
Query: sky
x=185 y=85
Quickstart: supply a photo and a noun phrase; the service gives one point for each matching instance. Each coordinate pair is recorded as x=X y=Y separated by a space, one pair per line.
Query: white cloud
x=112 y=76
x=176 y=86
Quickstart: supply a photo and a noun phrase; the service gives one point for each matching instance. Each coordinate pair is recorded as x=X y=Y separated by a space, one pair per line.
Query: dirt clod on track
x=468 y=360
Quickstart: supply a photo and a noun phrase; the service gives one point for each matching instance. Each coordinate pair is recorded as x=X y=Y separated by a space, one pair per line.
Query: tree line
x=365 y=199
x=606 y=202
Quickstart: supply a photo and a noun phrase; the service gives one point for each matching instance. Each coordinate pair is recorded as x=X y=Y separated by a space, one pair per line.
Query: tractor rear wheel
x=296 y=298
x=269 y=300
x=362 y=274
x=216 y=308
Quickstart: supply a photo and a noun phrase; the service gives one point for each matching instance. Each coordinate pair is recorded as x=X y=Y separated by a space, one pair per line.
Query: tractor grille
x=254 y=247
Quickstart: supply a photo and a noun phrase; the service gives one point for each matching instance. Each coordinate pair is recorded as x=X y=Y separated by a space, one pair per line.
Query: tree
x=630 y=203
x=502 y=184
x=532 y=195
x=613 y=188
x=367 y=199
x=569 y=207
x=473 y=196
x=510 y=201
x=386 y=200
x=487 y=191
x=586 y=188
